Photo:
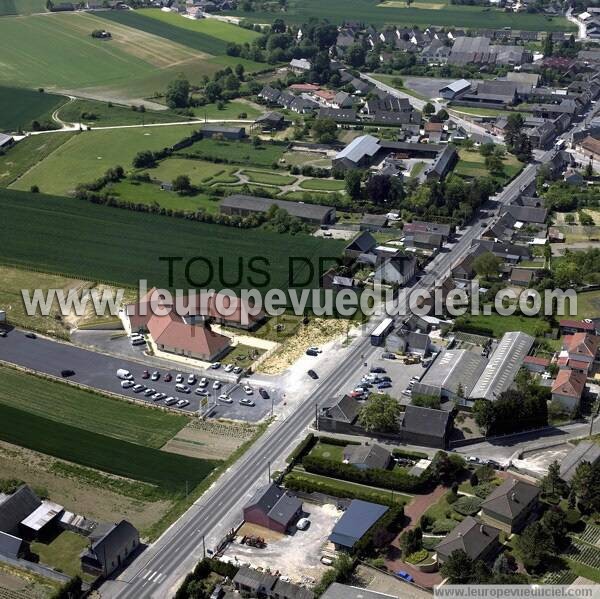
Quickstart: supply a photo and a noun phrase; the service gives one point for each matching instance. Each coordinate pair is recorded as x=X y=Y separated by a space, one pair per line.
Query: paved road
x=98 y=370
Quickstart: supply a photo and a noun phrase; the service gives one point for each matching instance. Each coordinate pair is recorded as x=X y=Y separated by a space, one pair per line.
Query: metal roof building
x=503 y=366
x=359 y=149
x=451 y=368
x=355 y=522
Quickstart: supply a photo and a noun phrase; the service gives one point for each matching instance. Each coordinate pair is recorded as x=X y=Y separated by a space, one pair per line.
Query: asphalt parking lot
x=399 y=372
x=98 y=370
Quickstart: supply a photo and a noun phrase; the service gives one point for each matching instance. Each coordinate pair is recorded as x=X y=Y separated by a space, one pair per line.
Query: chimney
x=513 y=496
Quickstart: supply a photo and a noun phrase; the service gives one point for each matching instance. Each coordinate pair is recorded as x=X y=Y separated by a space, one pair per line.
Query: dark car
x=312 y=352
x=3 y=334
x=378 y=370
x=31 y=335
x=145 y=374
x=388 y=355
x=168 y=377
x=66 y=373
x=263 y=393
x=312 y=374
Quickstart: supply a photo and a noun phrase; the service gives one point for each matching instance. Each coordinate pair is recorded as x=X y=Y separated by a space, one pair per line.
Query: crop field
x=86 y=410
x=123 y=246
x=102 y=114
x=378 y=13
x=168 y=471
x=21 y=7
x=27 y=153
x=18 y=107
x=209 y=27
x=242 y=152
x=87 y=155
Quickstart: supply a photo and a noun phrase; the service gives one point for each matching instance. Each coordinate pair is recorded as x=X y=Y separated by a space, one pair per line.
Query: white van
x=124 y=375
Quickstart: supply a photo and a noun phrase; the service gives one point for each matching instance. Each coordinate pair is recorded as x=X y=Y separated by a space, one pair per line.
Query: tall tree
x=535 y=544
x=352 y=180
x=458 y=568
x=381 y=413
x=178 y=93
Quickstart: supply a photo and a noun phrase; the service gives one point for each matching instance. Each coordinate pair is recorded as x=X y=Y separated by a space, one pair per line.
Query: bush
x=443 y=526
x=484 y=489
x=405 y=453
x=418 y=556
x=302 y=449
x=430 y=543
x=573 y=517
x=467 y=506
x=451 y=498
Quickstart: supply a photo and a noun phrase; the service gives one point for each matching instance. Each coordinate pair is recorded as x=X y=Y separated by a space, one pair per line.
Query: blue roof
x=355 y=522
x=365 y=145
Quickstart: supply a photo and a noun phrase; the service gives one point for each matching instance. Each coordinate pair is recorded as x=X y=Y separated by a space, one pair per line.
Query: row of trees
x=516 y=141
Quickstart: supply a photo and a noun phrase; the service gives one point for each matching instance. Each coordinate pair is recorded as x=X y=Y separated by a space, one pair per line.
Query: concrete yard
x=297 y=554
x=536 y=462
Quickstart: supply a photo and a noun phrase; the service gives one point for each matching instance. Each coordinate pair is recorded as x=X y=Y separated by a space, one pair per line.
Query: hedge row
x=302 y=450
x=405 y=453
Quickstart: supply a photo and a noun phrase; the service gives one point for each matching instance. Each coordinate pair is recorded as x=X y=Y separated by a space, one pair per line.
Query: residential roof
x=17 y=506
x=577 y=324
x=521 y=275
x=4 y=139
x=346 y=115
x=374 y=219
x=355 y=522
x=288 y=590
x=528 y=214
x=344 y=591
x=503 y=366
x=510 y=498
x=358 y=148
x=280 y=505
x=537 y=360
x=363 y=243
x=470 y=536
x=254 y=579
x=9 y=544
x=256 y=204
x=273 y=117
x=583 y=344
x=300 y=63
x=443 y=161
x=109 y=545
x=434 y=423
x=584 y=451
x=372 y=456
x=344 y=409
x=212 y=128
x=569 y=383
x=418 y=226
x=44 y=514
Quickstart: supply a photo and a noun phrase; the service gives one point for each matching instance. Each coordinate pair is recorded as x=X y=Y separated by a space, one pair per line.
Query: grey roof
x=276 y=117
x=210 y=128
x=528 y=214
x=363 y=243
x=346 y=115
x=257 y=204
x=254 y=579
x=344 y=409
x=451 y=368
x=457 y=86
x=355 y=522
x=344 y=591
x=510 y=498
x=372 y=456
x=470 y=536
x=270 y=93
x=426 y=421
x=443 y=161
x=5 y=139
x=584 y=451
x=427 y=227
x=16 y=507
x=288 y=590
x=276 y=502
x=503 y=366
x=10 y=545
x=358 y=148
x=106 y=548
x=374 y=219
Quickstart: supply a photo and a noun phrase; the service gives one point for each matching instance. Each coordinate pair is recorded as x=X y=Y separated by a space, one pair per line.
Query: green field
x=87 y=155
x=323 y=185
x=102 y=114
x=242 y=152
x=209 y=27
x=87 y=410
x=95 y=242
x=588 y=305
x=27 y=153
x=231 y=110
x=62 y=553
x=18 y=107
x=503 y=324
x=266 y=178
x=472 y=164
x=21 y=7
x=168 y=471
x=199 y=171
x=373 y=12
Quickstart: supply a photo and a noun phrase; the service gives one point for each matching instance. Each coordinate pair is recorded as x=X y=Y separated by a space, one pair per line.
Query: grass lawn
x=502 y=324
x=480 y=111
x=21 y=7
x=302 y=158
x=588 y=305
x=87 y=410
x=62 y=553
x=87 y=155
x=102 y=114
x=199 y=171
x=27 y=153
x=167 y=471
x=266 y=178
x=151 y=193
x=446 y=15
x=231 y=110
x=472 y=164
x=326 y=450
x=19 y=107
x=389 y=80
x=98 y=237
x=210 y=27
x=323 y=184
x=243 y=355
x=240 y=152
x=279 y=328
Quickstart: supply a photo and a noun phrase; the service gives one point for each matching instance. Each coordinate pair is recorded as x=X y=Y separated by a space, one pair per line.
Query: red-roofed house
x=568 y=327
x=579 y=352
x=536 y=363
x=568 y=388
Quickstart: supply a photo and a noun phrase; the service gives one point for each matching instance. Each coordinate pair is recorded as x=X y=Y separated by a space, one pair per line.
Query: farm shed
x=274 y=508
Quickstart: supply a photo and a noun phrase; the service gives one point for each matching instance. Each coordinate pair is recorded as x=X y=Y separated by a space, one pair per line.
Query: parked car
x=182 y=403
x=225 y=398
x=303 y=524
x=378 y=370
x=312 y=374
x=192 y=379
x=127 y=384
x=327 y=561
x=474 y=460
x=386 y=355
x=311 y=352
x=203 y=382
x=202 y=392
x=138 y=341
x=138 y=388
x=145 y=374
x=216 y=385
x=168 y=377
x=3 y=334
x=385 y=379
x=155 y=375
x=31 y=335
x=404 y=576
x=494 y=464
x=237 y=370
x=67 y=372
x=158 y=396
x=407 y=392
x=182 y=388
x=149 y=392
x=246 y=402
x=124 y=375
x=384 y=385
x=170 y=400
x=215 y=365
x=315 y=348
x=248 y=390
x=263 y=393
x=228 y=367
x=179 y=378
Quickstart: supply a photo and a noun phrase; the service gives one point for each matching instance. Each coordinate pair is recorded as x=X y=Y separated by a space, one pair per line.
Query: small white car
x=203 y=382
x=303 y=524
x=182 y=403
x=225 y=398
x=179 y=378
x=246 y=402
x=228 y=368
x=192 y=379
x=216 y=385
x=127 y=384
x=248 y=390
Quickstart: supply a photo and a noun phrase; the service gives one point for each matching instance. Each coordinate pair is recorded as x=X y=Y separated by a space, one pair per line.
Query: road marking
x=154 y=574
